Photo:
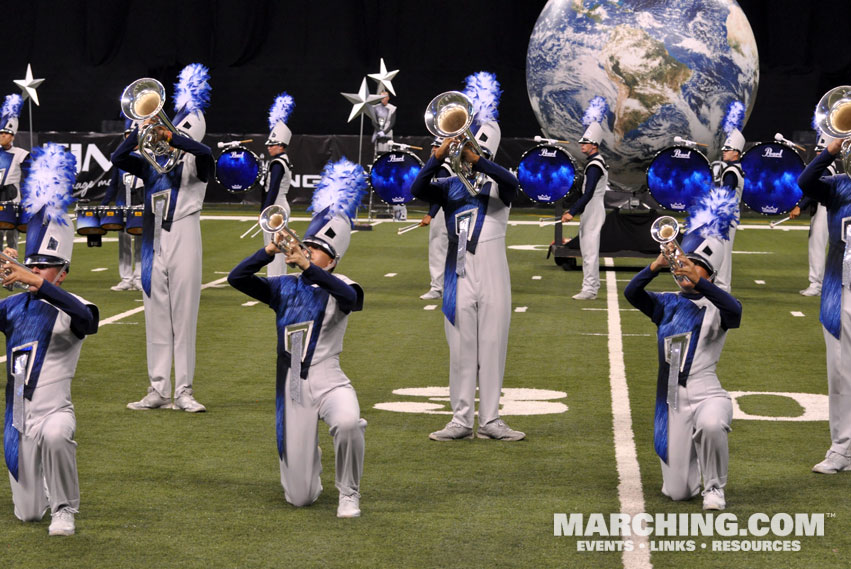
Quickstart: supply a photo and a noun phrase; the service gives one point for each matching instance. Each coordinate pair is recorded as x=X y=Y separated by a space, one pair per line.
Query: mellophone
x=97 y=220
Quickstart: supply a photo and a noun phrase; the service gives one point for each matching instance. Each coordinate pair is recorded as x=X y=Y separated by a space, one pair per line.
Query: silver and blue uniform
x=728 y=175
x=11 y=165
x=314 y=306
x=693 y=412
x=476 y=284
x=44 y=334
x=127 y=190
x=592 y=208
x=275 y=191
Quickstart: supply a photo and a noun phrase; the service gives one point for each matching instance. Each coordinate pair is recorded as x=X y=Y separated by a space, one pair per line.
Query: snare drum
x=9 y=213
x=238 y=169
x=134 y=219
x=23 y=218
x=112 y=218
x=392 y=174
x=677 y=176
x=546 y=173
x=771 y=178
x=88 y=220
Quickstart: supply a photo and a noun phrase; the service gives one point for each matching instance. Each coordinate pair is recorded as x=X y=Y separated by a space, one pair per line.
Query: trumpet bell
x=142 y=99
x=833 y=112
x=273 y=219
x=449 y=114
x=665 y=229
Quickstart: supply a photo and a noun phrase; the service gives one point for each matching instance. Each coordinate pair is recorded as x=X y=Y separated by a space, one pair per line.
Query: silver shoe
x=585 y=295
x=713 y=499
x=349 y=506
x=452 y=432
x=152 y=400
x=833 y=462
x=62 y=523
x=499 y=430
x=186 y=402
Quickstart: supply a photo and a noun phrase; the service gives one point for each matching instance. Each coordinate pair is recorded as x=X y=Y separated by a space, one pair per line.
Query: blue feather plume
x=192 y=90
x=342 y=186
x=50 y=182
x=12 y=105
x=484 y=91
x=735 y=117
x=281 y=109
x=714 y=213
x=596 y=111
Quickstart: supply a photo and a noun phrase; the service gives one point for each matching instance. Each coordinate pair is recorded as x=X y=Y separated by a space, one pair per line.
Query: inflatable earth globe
x=666 y=68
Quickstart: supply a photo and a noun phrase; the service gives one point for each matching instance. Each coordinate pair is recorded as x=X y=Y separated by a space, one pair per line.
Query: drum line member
x=727 y=173
x=129 y=247
x=693 y=411
x=279 y=174
x=477 y=286
x=12 y=159
x=591 y=205
x=171 y=245
x=312 y=313
x=817 y=238
x=44 y=327
x=383 y=118
x=834 y=193
x=437 y=240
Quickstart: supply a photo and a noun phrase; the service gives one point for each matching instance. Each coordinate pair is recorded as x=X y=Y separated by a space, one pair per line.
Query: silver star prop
x=362 y=101
x=28 y=85
x=383 y=77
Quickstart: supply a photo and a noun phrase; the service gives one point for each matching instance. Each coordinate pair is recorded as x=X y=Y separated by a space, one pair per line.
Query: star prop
x=28 y=85
x=383 y=78
x=362 y=101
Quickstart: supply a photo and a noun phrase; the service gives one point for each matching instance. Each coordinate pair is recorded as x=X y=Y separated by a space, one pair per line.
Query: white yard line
x=630 y=493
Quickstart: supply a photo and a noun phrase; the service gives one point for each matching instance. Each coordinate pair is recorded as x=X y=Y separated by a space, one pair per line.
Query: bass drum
x=771 y=178
x=677 y=176
x=392 y=174
x=546 y=173
x=238 y=169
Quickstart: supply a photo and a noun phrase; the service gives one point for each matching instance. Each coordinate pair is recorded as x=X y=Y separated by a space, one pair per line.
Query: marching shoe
x=349 y=506
x=152 y=400
x=500 y=431
x=713 y=499
x=452 y=432
x=812 y=290
x=123 y=285
x=833 y=462
x=187 y=403
x=62 y=523
x=585 y=295
x=431 y=295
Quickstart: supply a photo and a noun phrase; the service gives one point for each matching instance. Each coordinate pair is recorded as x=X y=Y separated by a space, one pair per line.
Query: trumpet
x=833 y=118
x=450 y=115
x=664 y=231
x=141 y=100
x=4 y=258
x=273 y=220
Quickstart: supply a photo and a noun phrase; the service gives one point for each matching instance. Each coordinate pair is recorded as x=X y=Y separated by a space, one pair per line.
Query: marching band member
x=693 y=411
x=127 y=190
x=591 y=204
x=727 y=173
x=437 y=240
x=477 y=286
x=834 y=193
x=44 y=329
x=383 y=118
x=11 y=160
x=312 y=313
x=280 y=170
x=171 y=244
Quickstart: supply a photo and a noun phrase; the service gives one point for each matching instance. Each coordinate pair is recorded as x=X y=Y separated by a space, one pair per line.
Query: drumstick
x=774 y=224
x=550 y=140
x=779 y=137
x=402 y=230
x=234 y=143
x=681 y=140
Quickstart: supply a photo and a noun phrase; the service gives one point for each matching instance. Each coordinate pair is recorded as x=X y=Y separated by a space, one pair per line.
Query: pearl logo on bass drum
x=769 y=153
x=683 y=155
x=395 y=158
x=548 y=153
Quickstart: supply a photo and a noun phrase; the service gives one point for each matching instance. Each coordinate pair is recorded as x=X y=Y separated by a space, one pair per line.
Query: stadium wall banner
x=308 y=154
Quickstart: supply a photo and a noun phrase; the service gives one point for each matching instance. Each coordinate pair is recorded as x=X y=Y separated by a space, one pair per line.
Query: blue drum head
x=546 y=173
x=238 y=169
x=677 y=176
x=771 y=178
x=392 y=175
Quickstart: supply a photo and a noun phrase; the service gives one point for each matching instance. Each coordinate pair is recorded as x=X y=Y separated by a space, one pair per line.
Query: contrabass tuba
x=450 y=115
x=664 y=231
x=833 y=118
x=143 y=99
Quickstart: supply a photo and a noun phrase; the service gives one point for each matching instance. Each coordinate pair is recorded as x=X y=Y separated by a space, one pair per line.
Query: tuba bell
x=664 y=231
x=450 y=115
x=833 y=118
x=141 y=100
x=273 y=220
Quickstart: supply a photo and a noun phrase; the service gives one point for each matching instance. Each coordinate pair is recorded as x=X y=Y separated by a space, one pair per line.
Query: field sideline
x=171 y=489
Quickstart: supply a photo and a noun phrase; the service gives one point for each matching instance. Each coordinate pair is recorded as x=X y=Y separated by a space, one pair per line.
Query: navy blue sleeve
x=811 y=182
x=505 y=180
x=592 y=176
x=276 y=174
x=640 y=298
x=243 y=279
x=805 y=203
x=112 y=189
x=84 y=317
x=422 y=187
x=432 y=211
x=204 y=163
x=730 y=180
x=123 y=159
x=349 y=297
x=729 y=307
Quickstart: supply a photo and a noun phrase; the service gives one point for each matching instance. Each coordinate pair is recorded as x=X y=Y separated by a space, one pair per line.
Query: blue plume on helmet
x=12 y=106
x=340 y=189
x=50 y=182
x=484 y=91
x=281 y=109
x=192 y=90
x=735 y=117
x=714 y=213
